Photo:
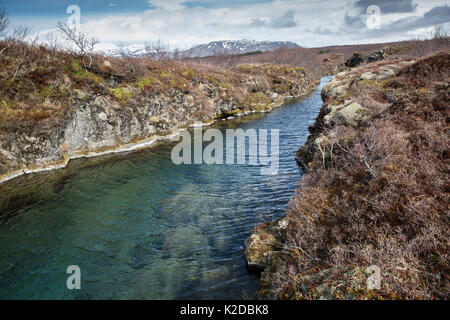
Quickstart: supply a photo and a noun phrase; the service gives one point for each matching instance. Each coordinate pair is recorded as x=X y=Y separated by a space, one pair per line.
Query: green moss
x=80 y=73
x=248 y=67
x=75 y=65
x=188 y=73
x=122 y=93
x=173 y=83
x=368 y=82
x=143 y=83
x=341 y=99
x=236 y=111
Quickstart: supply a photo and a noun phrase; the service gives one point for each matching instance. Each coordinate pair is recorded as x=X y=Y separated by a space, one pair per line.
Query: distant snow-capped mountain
x=131 y=50
x=235 y=47
x=202 y=50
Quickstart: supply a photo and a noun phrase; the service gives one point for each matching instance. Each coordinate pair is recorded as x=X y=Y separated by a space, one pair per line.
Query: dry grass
x=319 y=62
x=50 y=82
x=380 y=198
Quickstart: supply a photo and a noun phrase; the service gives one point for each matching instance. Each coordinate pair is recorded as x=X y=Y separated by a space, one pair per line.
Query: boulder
x=107 y=64
x=379 y=55
x=102 y=116
x=259 y=246
x=385 y=73
x=354 y=61
x=352 y=114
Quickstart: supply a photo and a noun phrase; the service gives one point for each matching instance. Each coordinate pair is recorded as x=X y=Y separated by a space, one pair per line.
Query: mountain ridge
x=235 y=47
x=210 y=49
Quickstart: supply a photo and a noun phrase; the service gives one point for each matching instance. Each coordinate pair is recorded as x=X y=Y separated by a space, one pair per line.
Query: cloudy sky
x=183 y=23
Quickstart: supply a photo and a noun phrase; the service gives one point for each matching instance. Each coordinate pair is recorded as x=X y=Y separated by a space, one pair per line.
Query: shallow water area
x=140 y=227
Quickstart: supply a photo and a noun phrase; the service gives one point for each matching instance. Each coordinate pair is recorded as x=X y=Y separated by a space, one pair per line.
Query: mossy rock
x=259 y=246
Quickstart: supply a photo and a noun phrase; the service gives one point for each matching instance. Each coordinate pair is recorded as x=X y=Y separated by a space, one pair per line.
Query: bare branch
x=84 y=44
x=4 y=21
x=25 y=51
x=157 y=50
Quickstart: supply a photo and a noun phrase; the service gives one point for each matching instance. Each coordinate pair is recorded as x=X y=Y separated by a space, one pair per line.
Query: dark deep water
x=140 y=227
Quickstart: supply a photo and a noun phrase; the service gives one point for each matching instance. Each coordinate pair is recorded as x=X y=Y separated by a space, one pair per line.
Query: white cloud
x=311 y=23
x=172 y=5
x=184 y=26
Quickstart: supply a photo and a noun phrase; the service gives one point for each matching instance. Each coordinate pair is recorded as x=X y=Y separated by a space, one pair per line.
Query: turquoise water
x=140 y=227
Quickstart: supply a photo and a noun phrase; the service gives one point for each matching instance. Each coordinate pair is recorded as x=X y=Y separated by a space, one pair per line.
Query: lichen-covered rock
x=353 y=114
x=379 y=54
x=260 y=245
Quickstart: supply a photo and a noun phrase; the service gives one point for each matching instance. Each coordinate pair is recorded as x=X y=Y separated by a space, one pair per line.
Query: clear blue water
x=140 y=227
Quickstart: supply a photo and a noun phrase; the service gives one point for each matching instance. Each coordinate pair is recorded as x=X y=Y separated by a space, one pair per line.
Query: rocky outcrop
x=375 y=56
x=263 y=242
x=265 y=248
x=98 y=122
x=379 y=54
x=340 y=107
x=354 y=61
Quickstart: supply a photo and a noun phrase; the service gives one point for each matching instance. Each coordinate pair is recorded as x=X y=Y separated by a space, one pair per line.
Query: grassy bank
x=376 y=192
x=56 y=105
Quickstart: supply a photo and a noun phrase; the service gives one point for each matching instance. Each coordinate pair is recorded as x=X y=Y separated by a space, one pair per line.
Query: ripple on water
x=140 y=227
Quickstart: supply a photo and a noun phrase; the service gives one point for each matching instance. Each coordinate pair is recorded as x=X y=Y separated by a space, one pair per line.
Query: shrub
x=380 y=198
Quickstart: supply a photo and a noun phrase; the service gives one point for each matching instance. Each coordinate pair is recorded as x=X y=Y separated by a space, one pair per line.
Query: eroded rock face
x=261 y=244
x=99 y=123
x=339 y=106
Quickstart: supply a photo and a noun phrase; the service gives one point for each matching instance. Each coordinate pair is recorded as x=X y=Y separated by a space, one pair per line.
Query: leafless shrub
x=84 y=44
x=177 y=55
x=24 y=50
x=4 y=21
x=26 y=54
x=438 y=40
x=52 y=43
x=130 y=61
x=157 y=50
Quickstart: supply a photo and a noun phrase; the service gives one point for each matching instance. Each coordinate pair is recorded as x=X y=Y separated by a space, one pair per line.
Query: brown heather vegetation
x=319 y=62
x=380 y=197
x=42 y=88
